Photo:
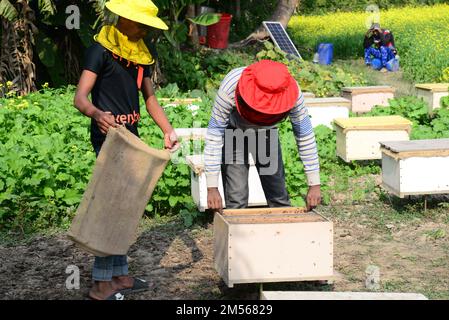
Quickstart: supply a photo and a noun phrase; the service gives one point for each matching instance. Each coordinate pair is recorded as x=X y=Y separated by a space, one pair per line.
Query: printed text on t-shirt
x=128 y=118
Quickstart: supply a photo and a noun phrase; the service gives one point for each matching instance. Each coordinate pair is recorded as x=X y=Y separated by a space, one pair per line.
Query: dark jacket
x=385 y=38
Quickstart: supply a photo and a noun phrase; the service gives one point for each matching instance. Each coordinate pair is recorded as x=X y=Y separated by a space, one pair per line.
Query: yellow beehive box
x=416 y=167
x=272 y=245
x=359 y=138
x=363 y=99
x=432 y=93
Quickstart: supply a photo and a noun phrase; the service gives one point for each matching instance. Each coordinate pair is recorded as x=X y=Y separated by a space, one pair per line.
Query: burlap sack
x=124 y=177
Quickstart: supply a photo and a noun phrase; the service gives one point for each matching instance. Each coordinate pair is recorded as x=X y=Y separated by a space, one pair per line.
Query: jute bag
x=124 y=177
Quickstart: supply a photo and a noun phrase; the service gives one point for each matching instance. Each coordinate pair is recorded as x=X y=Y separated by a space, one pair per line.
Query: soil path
x=403 y=86
x=412 y=257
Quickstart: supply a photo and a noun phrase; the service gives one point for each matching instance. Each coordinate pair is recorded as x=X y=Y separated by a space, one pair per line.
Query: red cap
x=269 y=92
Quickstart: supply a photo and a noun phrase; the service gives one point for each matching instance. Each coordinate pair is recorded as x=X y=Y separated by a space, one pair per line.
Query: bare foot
x=123 y=282
x=102 y=290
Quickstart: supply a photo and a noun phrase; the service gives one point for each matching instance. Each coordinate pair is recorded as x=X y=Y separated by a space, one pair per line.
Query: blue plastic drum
x=326 y=53
x=393 y=65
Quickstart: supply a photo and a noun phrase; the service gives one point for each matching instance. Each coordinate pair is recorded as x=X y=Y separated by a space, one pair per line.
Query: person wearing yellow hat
x=116 y=68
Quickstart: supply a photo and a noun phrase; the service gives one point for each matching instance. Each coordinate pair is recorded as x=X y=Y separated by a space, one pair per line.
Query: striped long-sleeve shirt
x=222 y=114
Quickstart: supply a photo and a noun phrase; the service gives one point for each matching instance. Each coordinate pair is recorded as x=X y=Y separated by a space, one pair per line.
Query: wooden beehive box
x=432 y=93
x=308 y=95
x=332 y=295
x=323 y=111
x=415 y=167
x=363 y=99
x=198 y=184
x=359 y=138
x=272 y=245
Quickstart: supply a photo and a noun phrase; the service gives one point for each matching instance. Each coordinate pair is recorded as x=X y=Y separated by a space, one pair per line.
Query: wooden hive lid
x=327 y=102
x=433 y=87
x=271 y=215
x=374 y=123
x=370 y=89
x=308 y=95
x=416 y=148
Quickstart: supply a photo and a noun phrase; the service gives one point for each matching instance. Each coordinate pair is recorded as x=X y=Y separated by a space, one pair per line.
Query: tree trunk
x=193 y=29
x=16 y=55
x=238 y=11
x=72 y=71
x=283 y=12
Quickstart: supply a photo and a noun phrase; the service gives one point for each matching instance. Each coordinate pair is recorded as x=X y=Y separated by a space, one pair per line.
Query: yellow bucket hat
x=142 y=11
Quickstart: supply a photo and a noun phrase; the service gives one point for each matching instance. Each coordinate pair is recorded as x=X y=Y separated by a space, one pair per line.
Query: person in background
x=380 y=50
x=116 y=68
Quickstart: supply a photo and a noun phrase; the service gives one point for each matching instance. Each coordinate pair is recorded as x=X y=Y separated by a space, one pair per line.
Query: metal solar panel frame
x=287 y=36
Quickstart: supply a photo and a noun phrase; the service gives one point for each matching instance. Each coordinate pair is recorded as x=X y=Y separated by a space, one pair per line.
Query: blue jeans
x=111 y=266
x=378 y=57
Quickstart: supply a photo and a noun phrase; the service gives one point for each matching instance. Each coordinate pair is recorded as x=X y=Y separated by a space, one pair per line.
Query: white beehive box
x=308 y=95
x=363 y=99
x=272 y=245
x=432 y=93
x=359 y=138
x=323 y=111
x=415 y=167
x=198 y=184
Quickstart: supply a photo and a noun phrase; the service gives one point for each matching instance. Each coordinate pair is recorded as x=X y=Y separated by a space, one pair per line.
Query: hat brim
x=123 y=11
x=263 y=102
x=254 y=116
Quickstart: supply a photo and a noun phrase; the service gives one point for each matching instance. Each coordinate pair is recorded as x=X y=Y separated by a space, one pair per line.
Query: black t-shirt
x=115 y=90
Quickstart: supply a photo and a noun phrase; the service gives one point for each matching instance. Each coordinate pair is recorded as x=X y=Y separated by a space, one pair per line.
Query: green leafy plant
x=323 y=81
x=424 y=126
x=205 y=19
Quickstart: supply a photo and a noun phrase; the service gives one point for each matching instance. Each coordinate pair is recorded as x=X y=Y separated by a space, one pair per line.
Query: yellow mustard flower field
x=421 y=35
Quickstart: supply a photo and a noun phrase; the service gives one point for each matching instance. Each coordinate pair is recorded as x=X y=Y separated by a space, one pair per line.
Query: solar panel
x=281 y=38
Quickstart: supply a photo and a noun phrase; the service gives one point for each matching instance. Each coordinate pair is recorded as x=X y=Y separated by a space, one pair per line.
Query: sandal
x=138 y=286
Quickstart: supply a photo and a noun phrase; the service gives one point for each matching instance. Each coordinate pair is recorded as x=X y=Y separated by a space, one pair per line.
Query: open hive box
x=432 y=93
x=272 y=245
x=323 y=111
x=415 y=167
x=359 y=138
x=363 y=99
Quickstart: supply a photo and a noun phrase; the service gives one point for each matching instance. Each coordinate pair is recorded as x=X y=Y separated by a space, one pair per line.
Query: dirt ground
x=403 y=86
x=410 y=246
